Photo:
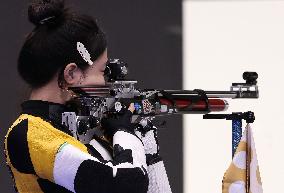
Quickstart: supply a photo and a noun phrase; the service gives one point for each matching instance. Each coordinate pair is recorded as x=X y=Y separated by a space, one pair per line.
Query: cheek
x=94 y=79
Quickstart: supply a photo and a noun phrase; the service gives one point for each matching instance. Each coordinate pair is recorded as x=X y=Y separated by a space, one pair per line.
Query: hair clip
x=84 y=53
x=43 y=21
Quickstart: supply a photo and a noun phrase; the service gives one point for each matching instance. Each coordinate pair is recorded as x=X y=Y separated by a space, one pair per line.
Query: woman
x=69 y=49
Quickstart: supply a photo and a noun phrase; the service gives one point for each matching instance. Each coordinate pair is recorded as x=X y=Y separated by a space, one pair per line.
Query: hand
x=123 y=122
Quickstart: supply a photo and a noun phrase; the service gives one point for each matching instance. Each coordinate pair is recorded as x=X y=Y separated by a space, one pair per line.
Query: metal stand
x=236 y=124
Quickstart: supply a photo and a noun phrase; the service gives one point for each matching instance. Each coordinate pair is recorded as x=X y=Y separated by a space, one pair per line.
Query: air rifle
x=92 y=103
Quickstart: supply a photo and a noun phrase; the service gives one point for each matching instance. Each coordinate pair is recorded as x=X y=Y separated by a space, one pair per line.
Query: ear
x=72 y=74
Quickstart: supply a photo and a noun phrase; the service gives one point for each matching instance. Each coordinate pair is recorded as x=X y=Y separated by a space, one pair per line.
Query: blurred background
x=145 y=34
x=221 y=40
x=175 y=44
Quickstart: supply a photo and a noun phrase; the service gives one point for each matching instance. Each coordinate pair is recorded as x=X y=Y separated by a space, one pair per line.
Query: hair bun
x=40 y=11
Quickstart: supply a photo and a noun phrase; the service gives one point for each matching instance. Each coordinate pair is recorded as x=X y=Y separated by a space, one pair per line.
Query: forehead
x=99 y=62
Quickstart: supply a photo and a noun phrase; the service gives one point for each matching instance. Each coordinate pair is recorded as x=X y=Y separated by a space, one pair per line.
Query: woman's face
x=94 y=74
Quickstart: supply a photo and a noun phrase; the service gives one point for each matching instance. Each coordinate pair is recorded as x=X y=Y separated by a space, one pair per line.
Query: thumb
x=131 y=107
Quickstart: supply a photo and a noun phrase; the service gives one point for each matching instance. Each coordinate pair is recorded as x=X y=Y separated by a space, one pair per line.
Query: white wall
x=222 y=39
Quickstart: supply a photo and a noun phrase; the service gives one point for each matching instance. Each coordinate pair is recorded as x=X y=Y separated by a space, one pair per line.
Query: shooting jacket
x=44 y=157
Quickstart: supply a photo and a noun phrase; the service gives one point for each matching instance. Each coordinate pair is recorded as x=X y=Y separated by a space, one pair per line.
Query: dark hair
x=53 y=43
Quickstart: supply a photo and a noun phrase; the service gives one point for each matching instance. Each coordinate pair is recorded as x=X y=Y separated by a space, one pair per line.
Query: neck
x=50 y=92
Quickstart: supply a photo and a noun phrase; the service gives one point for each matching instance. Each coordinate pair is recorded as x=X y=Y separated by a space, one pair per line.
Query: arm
x=79 y=172
x=125 y=173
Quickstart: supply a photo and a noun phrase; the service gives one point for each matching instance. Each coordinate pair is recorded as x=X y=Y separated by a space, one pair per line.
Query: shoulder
x=16 y=145
x=32 y=144
x=27 y=126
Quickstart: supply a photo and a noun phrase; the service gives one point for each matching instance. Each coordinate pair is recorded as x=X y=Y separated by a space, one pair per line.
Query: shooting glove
x=158 y=179
x=122 y=122
x=148 y=134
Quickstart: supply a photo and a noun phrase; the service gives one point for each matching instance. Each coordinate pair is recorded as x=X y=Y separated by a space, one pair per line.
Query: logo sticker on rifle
x=147 y=106
x=118 y=106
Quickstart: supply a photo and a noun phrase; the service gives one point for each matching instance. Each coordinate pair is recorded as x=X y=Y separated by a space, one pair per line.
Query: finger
x=131 y=107
x=127 y=117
